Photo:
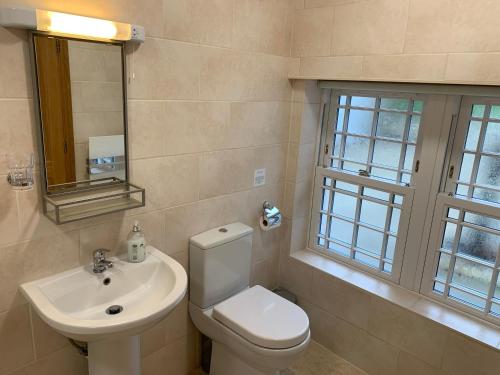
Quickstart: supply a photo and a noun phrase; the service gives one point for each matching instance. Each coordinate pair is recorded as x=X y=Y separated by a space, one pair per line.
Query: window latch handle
x=364 y=173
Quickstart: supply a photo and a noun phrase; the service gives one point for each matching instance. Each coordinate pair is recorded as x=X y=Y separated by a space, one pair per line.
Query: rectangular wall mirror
x=81 y=90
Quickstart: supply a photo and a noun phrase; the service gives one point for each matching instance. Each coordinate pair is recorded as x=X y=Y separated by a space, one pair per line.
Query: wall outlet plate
x=259 y=177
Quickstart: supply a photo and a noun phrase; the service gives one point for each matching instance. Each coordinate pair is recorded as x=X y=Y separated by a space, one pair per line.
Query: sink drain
x=113 y=310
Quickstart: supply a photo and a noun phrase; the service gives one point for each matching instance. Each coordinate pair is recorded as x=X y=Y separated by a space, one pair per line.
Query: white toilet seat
x=263 y=318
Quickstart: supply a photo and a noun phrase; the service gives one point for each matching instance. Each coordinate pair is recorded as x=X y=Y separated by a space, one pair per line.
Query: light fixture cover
x=69 y=24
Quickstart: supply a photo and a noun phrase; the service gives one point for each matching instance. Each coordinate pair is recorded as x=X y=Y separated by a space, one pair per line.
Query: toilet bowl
x=254 y=331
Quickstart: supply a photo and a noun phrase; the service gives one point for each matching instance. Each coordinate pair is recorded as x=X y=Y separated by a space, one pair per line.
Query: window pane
x=489 y=171
x=479 y=244
x=414 y=127
x=370 y=240
x=341 y=230
x=391 y=247
x=410 y=153
x=396 y=213
x=466 y=167
x=326 y=200
x=467 y=298
x=387 y=153
x=342 y=250
x=453 y=213
x=395 y=104
x=443 y=267
x=346 y=186
x=478 y=110
x=449 y=236
x=486 y=195
x=492 y=138
x=344 y=205
x=384 y=173
x=363 y=258
x=481 y=220
x=356 y=149
x=472 y=275
x=373 y=214
x=473 y=135
x=342 y=100
x=379 y=194
x=495 y=112
x=362 y=101
x=418 y=105
x=360 y=122
x=391 y=125
x=340 y=119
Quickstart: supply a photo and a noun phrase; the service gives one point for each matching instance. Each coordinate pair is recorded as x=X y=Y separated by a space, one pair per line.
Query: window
x=407 y=187
x=465 y=253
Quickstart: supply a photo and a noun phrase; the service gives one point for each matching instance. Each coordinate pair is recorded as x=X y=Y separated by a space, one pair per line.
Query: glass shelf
x=82 y=200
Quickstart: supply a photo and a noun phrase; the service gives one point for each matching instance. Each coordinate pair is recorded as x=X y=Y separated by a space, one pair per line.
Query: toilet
x=253 y=330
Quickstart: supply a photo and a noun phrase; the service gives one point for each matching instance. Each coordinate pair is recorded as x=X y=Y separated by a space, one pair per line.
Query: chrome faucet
x=100 y=262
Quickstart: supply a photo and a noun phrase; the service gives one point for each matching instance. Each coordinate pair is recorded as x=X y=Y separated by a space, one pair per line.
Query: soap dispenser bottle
x=136 y=244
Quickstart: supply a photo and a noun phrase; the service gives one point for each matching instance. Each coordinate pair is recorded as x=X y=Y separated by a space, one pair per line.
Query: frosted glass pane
x=344 y=205
x=322 y=224
x=387 y=267
x=370 y=240
x=361 y=101
x=453 y=213
x=495 y=309
x=439 y=287
x=356 y=149
x=492 y=138
x=466 y=167
x=383 y=173
x=373 y=214
x=495 y=112
x=327 y=181
x=469 y=299
x=487 y=195
x=346 y=186
x=449 y=236
x=418 y=106
x=340 y=119
x=337 y=139
x=443 y=267
x=326 y=200
x=414 y=127
x=484 y=221
x=369 y=261
x=489 y=171
x=472 y=275
x=341 y=230
x=374 y=193
x=462 y=190
x=391 y=125
x=473 y=135
x=391 y=247
x=354 y=167
x=410 y=154
x=360 y=122
x=394 y=104
x=479 y=244
x=396 y=214
x=478 y=110
x=387 y=153
x=321 y=241
x=497 y=289
x=339 y=249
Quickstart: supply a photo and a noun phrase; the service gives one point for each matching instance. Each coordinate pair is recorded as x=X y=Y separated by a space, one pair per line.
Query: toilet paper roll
x=270 y=224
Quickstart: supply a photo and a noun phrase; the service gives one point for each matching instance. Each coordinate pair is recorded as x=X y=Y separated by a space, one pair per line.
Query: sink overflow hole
x=106 y=281
x=113 y=310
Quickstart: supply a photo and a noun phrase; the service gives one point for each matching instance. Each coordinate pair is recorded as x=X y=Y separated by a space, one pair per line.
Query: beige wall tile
x=324 y=3
x=400 y=327
x=165 y=69
x=224 y=172
x=63 y=362
x=9 y=219
x=16 y=348
x=179 y=357
x=205 y=22
x=340 y=299
x=312 y=34
x=331 y=67
x=473 y=68
x=463 y=356
x=263 y=26
x=296 y=276
x=457 y=26
x=46 y=340
x=169 y=181
x=15 y=73
x=417 y=68
x=370 y=27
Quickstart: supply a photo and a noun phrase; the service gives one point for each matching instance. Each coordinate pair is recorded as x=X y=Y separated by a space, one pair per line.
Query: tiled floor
x=318 y=360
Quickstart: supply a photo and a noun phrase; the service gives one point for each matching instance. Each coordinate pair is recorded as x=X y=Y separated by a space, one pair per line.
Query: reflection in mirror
x=81 y=99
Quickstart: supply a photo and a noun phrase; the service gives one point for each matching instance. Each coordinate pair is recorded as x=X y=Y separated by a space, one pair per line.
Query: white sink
x=74 y=303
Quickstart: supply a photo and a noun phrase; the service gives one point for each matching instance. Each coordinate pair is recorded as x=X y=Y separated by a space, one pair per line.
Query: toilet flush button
x=223 y=230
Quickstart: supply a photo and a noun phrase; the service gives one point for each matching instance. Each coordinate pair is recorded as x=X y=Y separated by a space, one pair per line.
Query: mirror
x=81 y=97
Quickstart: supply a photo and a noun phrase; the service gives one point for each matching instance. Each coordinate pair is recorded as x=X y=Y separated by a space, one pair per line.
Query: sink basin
x=116 y=305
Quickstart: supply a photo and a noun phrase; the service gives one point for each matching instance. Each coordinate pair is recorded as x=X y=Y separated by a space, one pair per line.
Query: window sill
x=451 y=318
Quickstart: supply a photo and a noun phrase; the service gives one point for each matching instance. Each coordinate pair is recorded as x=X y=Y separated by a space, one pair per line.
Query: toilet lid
x=264 y=318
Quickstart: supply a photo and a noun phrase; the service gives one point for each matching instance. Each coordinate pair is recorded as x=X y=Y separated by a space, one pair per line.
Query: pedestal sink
x=110 y=309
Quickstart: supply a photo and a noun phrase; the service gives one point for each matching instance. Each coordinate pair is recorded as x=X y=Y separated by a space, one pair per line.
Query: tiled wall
x=368 y=331
x=209 y=102
x=453 y=41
